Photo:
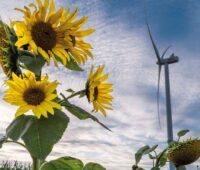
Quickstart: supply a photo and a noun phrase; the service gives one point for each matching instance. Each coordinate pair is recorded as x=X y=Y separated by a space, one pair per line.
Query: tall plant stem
x=36 y=164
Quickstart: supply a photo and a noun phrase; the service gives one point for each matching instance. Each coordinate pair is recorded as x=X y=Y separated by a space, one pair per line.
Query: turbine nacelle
x=170 y=60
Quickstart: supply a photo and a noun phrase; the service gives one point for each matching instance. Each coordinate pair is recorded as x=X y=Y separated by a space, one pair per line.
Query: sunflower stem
x=71 y=96
x=160 y=156
x=36 y=164
x=21 y=144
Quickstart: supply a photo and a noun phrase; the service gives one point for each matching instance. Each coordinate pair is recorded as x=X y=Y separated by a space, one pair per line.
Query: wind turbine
x=161 y=61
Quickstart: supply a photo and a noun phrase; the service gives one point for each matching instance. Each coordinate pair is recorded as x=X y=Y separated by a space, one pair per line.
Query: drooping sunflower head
x=8 y=53
x=185 y=153
x=97 y=91
x=31 y=94
x=53 y=34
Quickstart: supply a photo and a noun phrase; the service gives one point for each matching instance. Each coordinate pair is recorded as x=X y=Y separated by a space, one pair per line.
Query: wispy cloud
x=128 y=56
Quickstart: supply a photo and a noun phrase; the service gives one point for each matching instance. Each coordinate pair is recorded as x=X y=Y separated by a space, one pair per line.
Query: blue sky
x=121 y=43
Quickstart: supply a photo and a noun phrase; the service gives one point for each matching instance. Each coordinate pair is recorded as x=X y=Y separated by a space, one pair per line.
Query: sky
x=121 y=42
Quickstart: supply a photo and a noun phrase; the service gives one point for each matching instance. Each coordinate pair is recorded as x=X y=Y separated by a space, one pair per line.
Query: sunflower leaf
x=19 y=127
x=44 y=133
x=81 y=113
x=140 y=153
x=31 y=62
x=71 y=65
x=163 y=160
x=150 y=149
x=82 y=94
x=67 y=163
x=181 y=168
x=2 y=140
x=182 y=133
x=93 y=166
x=70 y=90
x=155 y=168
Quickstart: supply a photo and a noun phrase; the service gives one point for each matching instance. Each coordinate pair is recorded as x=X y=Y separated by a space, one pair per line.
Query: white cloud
x=130 y=60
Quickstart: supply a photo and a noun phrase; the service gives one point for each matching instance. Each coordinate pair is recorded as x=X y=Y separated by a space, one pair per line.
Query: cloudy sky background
x=121 y=43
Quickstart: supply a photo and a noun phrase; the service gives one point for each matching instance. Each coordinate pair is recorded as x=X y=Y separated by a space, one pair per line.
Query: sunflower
x=185 y=152
x=8 y=53
x=30 y=94
x=53 y=34
x=97 y=91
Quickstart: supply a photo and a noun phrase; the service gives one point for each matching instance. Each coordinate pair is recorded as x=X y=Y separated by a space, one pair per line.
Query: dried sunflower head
x=185 y=152
x=8 y=51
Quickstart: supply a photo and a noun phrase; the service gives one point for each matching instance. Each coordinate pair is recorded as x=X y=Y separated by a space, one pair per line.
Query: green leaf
x=31 y=62
x=81 y=114
x=93 y=166
x=71 y=65
x=155 y=168
x=151 y=156
x=182 y=133
x=19 y=127
x=151 y=149
x=44 y=133
x=140 y=153
x=64 y=163
x=70 y=90
x=163 y=160
x=181 y=168
x=2 y=141
x=82 y=94
x=171 y=143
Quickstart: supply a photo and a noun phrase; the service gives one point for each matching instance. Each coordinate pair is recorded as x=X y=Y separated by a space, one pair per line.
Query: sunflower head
x=185 y=153
x=8 y=53
x=28 y=93
x=53 y=34
x=97 y=91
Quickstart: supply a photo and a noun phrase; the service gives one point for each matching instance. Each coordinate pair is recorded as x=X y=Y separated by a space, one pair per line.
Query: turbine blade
x=164 y=52
x=152 y=41
x=158 y=94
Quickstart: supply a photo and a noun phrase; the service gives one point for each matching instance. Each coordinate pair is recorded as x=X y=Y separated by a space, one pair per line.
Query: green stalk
x=71 y=96
x=75 y=94
x=21 y=144
x=36 y=164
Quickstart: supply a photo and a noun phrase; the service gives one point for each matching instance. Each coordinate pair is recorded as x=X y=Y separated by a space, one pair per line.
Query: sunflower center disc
x=34 y=96
x=96 y=92
x=44 y=35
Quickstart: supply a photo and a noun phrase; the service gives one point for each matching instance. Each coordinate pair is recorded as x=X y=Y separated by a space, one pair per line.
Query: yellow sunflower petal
x=34 y=47
x=31 y=94
x=55 y=105
x=97 y=92
x=54 y=59
x=23 y=41
x=52 y=9
x=48 y=107
x=64 y=31
x=54 y=18
x=57 y=52
x=50 y=97
x=84 y=33
x=37 y=112
x=21 y=110
x=44 y=54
